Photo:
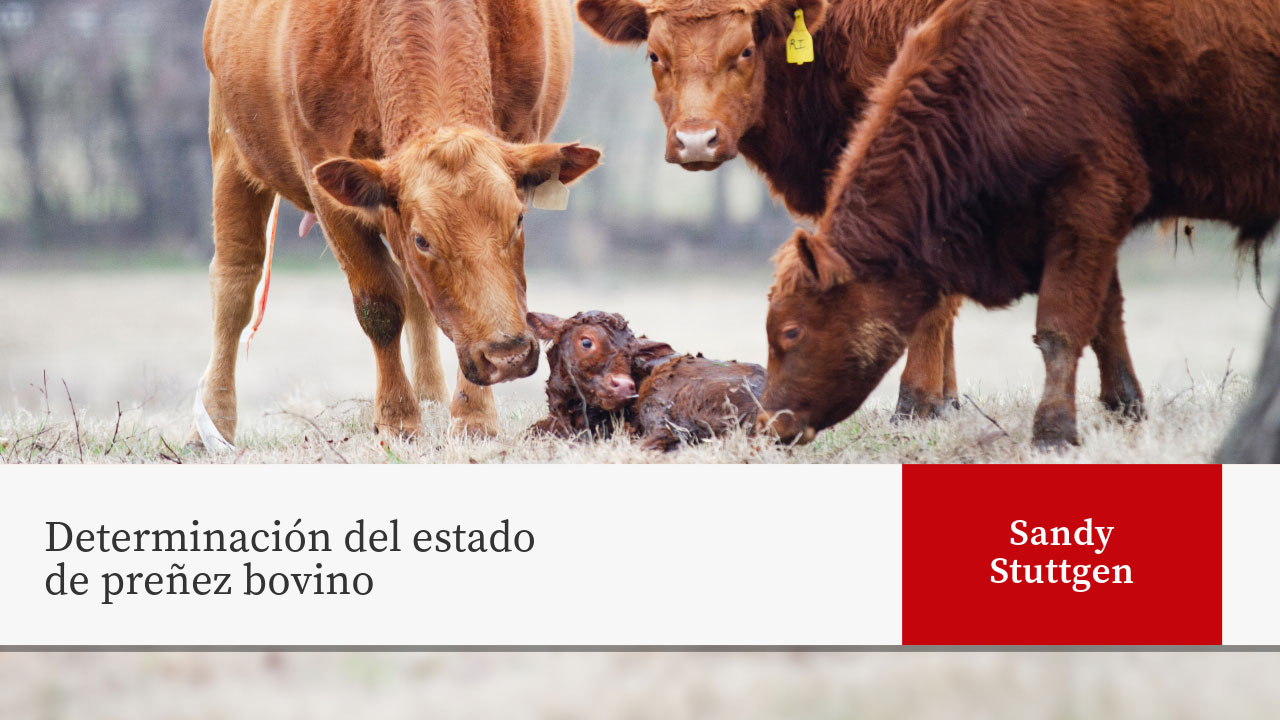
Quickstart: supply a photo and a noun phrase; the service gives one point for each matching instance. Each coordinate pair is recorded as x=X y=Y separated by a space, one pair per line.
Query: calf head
x=451 y=205
x=590 y=356
x=709 y=63
x=832 y=337
x=594 y=358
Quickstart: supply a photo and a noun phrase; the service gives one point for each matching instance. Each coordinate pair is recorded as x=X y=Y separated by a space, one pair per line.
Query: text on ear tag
x=551 y=195
x=799 y=42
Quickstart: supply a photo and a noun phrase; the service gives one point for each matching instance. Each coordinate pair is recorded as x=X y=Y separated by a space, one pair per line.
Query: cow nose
x=509 y=357
x=698 y=145
x=622 y=385
x=786 y=426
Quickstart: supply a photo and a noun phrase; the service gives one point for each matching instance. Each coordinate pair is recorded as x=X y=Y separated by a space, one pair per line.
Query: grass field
x=639 y=686
x=140 y=338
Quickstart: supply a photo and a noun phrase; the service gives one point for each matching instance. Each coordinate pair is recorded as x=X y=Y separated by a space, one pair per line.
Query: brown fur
x=789 y=122
x=677 y=398
x=396 y=118
x=1009 y=150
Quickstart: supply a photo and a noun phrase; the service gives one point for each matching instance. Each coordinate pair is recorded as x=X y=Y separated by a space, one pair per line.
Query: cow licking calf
x=602 y=375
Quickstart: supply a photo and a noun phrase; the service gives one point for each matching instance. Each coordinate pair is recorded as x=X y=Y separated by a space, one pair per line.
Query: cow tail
x=264 y=286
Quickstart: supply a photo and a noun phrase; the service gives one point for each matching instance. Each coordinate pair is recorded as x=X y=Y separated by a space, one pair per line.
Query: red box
x=1167 y=529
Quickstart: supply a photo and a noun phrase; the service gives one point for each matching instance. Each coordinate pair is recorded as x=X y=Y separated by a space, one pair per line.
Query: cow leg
x=473 y=409
x=420 y=326
x=1072 y=293
x=950 y=392
x=379 y=295
x=928 y=384
x=1120 y=389
x=240 y=210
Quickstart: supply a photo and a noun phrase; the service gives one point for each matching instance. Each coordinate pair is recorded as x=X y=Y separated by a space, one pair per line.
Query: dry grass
x=126 y=348
x=1185 y=425
x=644 y=686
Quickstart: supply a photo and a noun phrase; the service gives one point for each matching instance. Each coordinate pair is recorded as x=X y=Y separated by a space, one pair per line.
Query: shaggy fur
x=791 y=123
x=1009 y=150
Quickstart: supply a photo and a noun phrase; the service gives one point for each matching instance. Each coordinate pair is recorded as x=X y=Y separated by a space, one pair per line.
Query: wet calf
x=603 y=376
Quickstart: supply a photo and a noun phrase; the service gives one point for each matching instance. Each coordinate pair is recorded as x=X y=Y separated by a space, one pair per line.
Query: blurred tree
x=103 y=139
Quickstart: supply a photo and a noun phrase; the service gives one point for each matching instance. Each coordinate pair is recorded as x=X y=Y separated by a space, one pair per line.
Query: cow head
x=451 y=206
x=709 y=62
x=832 y=337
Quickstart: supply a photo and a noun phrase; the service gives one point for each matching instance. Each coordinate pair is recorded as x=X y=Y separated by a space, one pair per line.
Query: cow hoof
x=1127 y=408
x=482 y=428
x=404 y=431
x=1054 y=429
x=920 y=405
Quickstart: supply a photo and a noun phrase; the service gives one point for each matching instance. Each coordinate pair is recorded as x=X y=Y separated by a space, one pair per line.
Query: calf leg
x=428 y=375
x=1120 y=390
x=240 y=210
x=928 y=384
x=379 y=295
x=473 y=409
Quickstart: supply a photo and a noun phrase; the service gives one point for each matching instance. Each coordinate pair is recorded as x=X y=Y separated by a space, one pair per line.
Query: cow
x=1010 y=149
x=603 y=377
x=413 y=130
x=724 y=87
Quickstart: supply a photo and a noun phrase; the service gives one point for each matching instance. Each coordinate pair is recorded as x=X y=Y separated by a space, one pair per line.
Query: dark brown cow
x=1010 y=149
x=395 y=118
x=602 y=375
x=723 y=84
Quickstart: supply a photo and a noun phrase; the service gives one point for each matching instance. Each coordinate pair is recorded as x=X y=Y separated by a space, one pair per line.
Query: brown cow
x=400 y=119
x=1010 y=149
x=723 y=84
x=602 y=375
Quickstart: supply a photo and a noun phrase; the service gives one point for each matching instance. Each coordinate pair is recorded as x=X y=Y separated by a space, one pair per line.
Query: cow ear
x=825 y=265
x=357 y=184
x=778 y=17
x=545 y=327
x=538 y=163
x=624 y=22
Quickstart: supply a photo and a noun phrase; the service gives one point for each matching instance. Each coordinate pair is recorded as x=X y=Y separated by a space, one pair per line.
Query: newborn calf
x=601 y=373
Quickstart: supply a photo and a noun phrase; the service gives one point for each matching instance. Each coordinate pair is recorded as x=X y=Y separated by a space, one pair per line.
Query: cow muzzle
x=787 y=426
x=501 y=360
x=699 y=145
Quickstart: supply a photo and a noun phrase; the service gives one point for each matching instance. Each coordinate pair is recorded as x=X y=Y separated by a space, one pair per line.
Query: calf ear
x=357 y=184
x=624 y=22
x=650 y=351
x=538 y=163
x=544 y=326
x=778 y=17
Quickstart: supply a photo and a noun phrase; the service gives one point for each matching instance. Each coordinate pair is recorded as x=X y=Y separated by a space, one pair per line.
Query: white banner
x=451 y=555
x=1250 y=555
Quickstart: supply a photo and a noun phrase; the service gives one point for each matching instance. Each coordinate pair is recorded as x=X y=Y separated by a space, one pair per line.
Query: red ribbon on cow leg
x=260 y=307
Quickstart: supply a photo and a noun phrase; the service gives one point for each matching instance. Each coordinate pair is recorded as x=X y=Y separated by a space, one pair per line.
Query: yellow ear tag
x=799 y=42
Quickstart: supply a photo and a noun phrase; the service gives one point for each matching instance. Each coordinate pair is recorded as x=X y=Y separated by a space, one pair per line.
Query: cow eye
x=520 y=220
x=422 y=243
x=746 y=53
x=653 y=57
x=791 y=335
x=587 y=344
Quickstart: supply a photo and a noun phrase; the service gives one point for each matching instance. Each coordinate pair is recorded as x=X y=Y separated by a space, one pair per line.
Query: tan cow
x=405 y=119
